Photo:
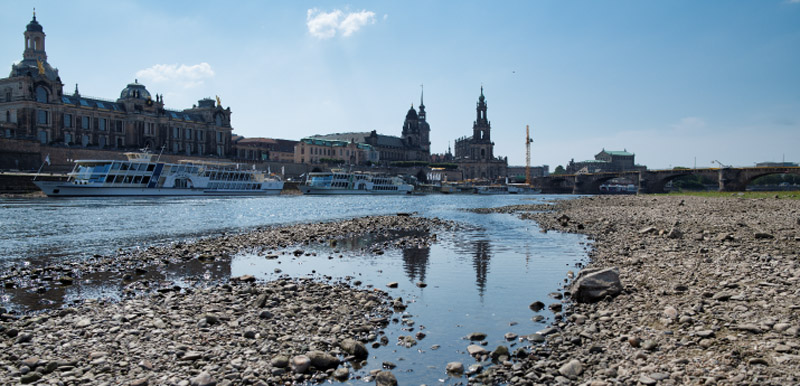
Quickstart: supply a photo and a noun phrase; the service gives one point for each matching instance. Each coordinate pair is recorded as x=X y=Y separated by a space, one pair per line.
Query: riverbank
x=196 y=332
x=710 y=294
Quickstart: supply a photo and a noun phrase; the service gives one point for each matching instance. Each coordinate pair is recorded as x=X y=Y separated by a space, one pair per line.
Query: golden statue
x=41 y=66
x=219 y=103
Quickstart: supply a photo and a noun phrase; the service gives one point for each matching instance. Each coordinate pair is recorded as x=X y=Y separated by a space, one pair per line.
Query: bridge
x=653 y=181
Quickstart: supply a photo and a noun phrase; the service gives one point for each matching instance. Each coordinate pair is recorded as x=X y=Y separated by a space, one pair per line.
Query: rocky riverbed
x=710 y=295
x=234 y=331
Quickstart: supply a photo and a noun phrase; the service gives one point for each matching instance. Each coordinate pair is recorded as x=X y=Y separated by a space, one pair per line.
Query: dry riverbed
x=237 y=331
x=711 y=295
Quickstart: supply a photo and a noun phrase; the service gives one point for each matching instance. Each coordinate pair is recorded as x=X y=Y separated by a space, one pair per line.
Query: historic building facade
x=475 y=154
x=606 y=161
x=33 y=106
x=413 y=145
x=327 y=151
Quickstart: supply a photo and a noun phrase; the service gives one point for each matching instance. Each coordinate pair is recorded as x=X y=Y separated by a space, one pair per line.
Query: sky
x=678 y=83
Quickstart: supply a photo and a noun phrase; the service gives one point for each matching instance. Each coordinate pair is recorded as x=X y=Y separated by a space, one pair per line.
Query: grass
x=792 y=194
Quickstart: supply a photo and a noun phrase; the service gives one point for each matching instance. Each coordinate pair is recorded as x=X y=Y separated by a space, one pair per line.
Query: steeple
x=481 y=129
x=34 y=41
x=421 y=104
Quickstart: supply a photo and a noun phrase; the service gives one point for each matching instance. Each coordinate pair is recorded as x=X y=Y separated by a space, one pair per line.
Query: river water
x=478 y=280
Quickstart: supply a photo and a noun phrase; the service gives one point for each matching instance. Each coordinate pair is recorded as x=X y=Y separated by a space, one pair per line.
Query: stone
x=300 y=364
x=385 y=378
x=280 y=361
x=500 y=351
x=203 y=379
x=341 y=374
x=322 y=360
x=763 y=235
x=354 y=348
x=749 y=327
x=475 y=350
x=455 y=367
x=670 y=312
x=571 y=369
x=476 y=336
x=83 y=323
x=594 y=285
x=645 y=380
x=536 y=338
x=536 y=306
x=392 y=284
x=510 y=336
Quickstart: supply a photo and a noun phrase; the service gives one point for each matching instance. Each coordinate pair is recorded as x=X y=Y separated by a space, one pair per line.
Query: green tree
x=559 y=170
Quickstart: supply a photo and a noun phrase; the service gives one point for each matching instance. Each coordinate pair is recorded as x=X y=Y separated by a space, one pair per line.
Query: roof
x=383 y=140
x=617 y=153
x=92 y=103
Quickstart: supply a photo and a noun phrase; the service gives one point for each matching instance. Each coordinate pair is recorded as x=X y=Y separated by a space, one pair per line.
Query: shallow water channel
x=479 y=279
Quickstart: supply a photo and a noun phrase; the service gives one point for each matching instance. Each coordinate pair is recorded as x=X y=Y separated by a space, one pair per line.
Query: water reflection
x=415 y=263
x=481 y=255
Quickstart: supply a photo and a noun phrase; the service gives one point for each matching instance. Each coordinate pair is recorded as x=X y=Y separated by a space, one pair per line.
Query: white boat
x=522 y=189
x=341 y=182
x=141 y=176
x=491 y=189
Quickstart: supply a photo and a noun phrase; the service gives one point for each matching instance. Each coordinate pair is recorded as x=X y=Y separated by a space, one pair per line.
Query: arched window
x=41 y=94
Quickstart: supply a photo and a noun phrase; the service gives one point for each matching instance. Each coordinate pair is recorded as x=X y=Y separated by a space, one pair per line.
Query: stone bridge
x=654 y=181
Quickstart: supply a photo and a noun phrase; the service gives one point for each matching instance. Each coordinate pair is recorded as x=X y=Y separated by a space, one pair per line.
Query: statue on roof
x=41 y=66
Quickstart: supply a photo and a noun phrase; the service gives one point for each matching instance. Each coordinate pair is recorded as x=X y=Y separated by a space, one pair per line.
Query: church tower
x=481 y=127
x=34 y=41
x=424 y=128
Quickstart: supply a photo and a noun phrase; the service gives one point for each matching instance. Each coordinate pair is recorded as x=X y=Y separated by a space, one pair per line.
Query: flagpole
x=47 y=161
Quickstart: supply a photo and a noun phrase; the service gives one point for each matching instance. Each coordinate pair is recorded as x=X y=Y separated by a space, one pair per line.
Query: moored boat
x=340 y=182
x=141 y=176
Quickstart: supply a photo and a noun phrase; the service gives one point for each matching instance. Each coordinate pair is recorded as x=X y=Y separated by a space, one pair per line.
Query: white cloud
x=185 y=75
x=325 y=25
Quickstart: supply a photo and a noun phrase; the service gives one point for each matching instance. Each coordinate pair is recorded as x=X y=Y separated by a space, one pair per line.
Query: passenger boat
x=341 y=182
x=491 y=189
x=141 y=176
x=522 y=189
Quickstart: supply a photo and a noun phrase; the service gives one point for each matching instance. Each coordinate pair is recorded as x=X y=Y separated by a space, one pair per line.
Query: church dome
x=134 y=90
x=412 y=114
x=34 y=26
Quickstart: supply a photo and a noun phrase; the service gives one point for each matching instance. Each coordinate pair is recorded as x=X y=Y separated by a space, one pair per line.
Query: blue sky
x=672 y=81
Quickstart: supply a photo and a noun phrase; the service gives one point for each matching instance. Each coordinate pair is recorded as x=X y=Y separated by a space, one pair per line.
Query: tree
x=559 y=170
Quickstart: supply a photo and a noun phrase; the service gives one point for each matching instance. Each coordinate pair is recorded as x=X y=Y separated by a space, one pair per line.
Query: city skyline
x=670 y=81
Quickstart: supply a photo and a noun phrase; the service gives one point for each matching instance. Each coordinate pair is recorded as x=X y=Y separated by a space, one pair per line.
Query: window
x=41 y=117
x=150 y=129
x=67 y=138
x=188 y=149
x=218 y=120
x=85 y=123
x=188 y=134
x=102 y=141
x=200 y=135
x=118 y=125
x=176 y=133
x=43 y=137
x=102 y=124
x=41 y=94
x=85 y=139
x=175 y=147
x=67 y=120
x=219 y=137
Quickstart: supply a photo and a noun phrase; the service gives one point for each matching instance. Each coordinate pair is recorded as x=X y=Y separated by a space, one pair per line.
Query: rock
x=341 y=374
x=421 y=284
x=83 y=323
x=500 y=351
x=203 y=379
x=649 y=345
x=322 y=360
x=536 y=338
x=571 y=369
x=763 y=235
x=385 y=378
x=246 y=278
x=140 y=382
x=455 y=367
x=392 y=284
x=475 y=350
x=510 y=336
x=648 y=230
x=749 y=327
x=476 y=336
x=30 y=377
x=555 y=307
x=674 y=233
x=594 y=285
x=280 y=361
x=300 y=364
x=192 y=356
x=354 y=348
x=670 y=312
x=66 y=280
x=758 y=361
x=645 y=380
x=265 y=315
x=536 y=306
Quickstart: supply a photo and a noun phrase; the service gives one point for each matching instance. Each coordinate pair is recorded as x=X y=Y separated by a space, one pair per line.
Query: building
x=325 y=151
x=517 y=173
x=606 y=161
x=33 y=106
x=263 y=149
x=413 y=144
x=475 y=154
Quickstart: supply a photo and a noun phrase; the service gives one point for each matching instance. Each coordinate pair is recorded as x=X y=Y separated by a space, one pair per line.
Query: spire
x=421 y=95
x=34 y=13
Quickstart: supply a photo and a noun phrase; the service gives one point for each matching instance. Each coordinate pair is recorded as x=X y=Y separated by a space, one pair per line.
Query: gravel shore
x=237 y=331
x=711 y=295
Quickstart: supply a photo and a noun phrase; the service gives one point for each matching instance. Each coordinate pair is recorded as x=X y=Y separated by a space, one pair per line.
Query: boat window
x=137 y=180
x=118 y=179
x=151 y=167
x=146 y=180
x=123 y=166
x=127 y=179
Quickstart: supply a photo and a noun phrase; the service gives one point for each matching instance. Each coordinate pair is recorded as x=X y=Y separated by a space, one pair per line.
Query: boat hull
x=65 y=189
x=310 y=190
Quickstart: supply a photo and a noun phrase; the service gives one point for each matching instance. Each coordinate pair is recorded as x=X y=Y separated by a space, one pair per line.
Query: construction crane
x=528 y=141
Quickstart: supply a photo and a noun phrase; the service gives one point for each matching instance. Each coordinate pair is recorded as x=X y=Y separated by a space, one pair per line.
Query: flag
x=47 y=160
